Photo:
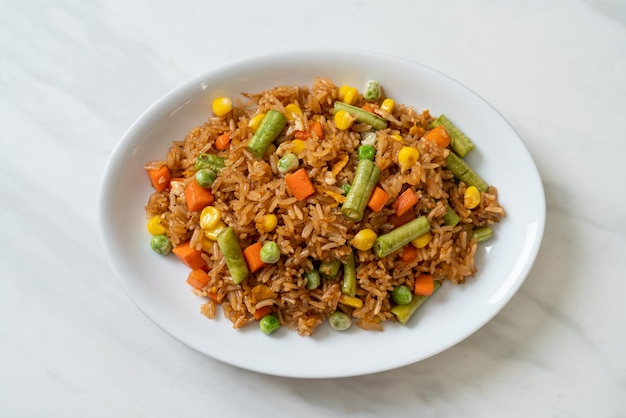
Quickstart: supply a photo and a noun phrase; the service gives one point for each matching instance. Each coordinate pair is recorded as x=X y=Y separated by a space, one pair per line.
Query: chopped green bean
x=288 y=163
x=270 y=127
x=214 y=162
x=459 y=142
x=404 y=312
x=366 y=152
x=451 y=218
x=330 y=269
x=161 y=244
x=482 y=234
x=464 y=173
x=402 y=295
x=228 y=241
x=313 y=279
x=346 y=188
x=402 y=235
x=372 y=91
x=270 y=252
x=348 y=286
x=365 y=179
x=205 y=177
x=361 y=115
x=339 y=321
x=269 y=324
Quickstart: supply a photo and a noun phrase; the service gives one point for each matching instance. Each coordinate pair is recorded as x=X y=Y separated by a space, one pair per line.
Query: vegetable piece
x=252 y=255
x=212 y=161
x=482 y=234
x=348 y=94
x=269 y=129
x=313 y=279
x=404 y=312
x=198 y=278
x=212 y=233
x=210 y=217
x=368 y=138
x=261 y=312
x=464 y=173
x=372 y=91
x=388 y=105
x=398 y=221
x=378 y=199
x=407 y=157
x=409 y=253
x=268 y=223
x=348 y=287
x=451 y=217
x=228 y=241
x=330 y=269
x=471 y=197
x=221 y=106
x=160 y=178
x=222 y=141
x=154 y=226
x=197 y=197
x=365 y=179
x=398 y=138
x=399 y=237
x=346 y=188
x=300 y=185
x=459 y=142
x=161 y=244
x=298 y=146
x=351 y=301
x=256 y=121
x=424 y=285
x=361 y=115
x=366 y=152
x=438 y=136
x=364 y=239
x=270 y=252
x=339 y=321
x=401 y=295
x=205 y=177
x=405 y=202
x=422 y=241
x=189 y=256
x=343 y=120
x=288 y=163
x=269 y=324
x=317 y=128
x=292 y=112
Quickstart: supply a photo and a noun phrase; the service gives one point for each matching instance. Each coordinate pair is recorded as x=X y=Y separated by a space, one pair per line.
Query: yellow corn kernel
x=222 y=105
x=292 y=112
x=207 y=245
x=422 y=241
x=351 y=301
x=214 y=232
x=268 y=223
x=471 y=198
x=339 y=198
x=155 y=227
x=298 y=146
x=343 y=120
x=407 y=157
x=348 y=94
x=388 y=105
x=255 y=121
x=396 y=137
x=209 y=217
x=364 y=239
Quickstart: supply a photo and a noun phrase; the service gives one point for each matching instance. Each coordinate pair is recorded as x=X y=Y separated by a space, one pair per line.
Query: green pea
x=313 y=279
x=270 y=252
x=346 y=188
x=268 y=324
x=287 y=163
x=339 y=321
x=367 y=152
x=402 y=295
x=161 y=244
x=372 y=91
x=205 y=177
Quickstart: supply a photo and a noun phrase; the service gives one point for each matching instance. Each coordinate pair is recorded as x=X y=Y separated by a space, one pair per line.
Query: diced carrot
x=252 y=254
x=378 y=199
x=198 y=278
x=404 y=202
x=397 y=221
x=160 y=178
x=409 y=252
x=368 y=108
x=314 y=126
x=438 y=135
x=299 y=184
x=424 y=285
x=215 y=298
x=222 y=141
x=261 y=312
x=197 y=197
x=301 y=135
x=191 y=257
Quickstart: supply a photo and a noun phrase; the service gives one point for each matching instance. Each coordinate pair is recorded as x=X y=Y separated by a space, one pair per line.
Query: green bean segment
x=269 y=129
x=365 y=180
x=348 y=286
x=402 y=235
x=451 y=218
x=330 y=269
x=361 y=115
x=482 y=234
x=228 y=242
x=210 y=161
x=464 y=172
x=459 y=142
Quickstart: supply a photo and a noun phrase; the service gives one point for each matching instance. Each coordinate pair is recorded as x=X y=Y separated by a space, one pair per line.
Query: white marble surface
x=74 y=75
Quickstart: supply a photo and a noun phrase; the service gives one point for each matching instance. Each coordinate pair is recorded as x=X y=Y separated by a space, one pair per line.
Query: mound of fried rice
x=315 y=230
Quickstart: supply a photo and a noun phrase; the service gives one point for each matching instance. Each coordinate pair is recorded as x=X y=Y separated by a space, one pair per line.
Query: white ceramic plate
x=157 y=284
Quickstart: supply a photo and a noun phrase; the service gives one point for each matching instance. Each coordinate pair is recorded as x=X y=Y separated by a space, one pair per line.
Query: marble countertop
x=75 y=75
